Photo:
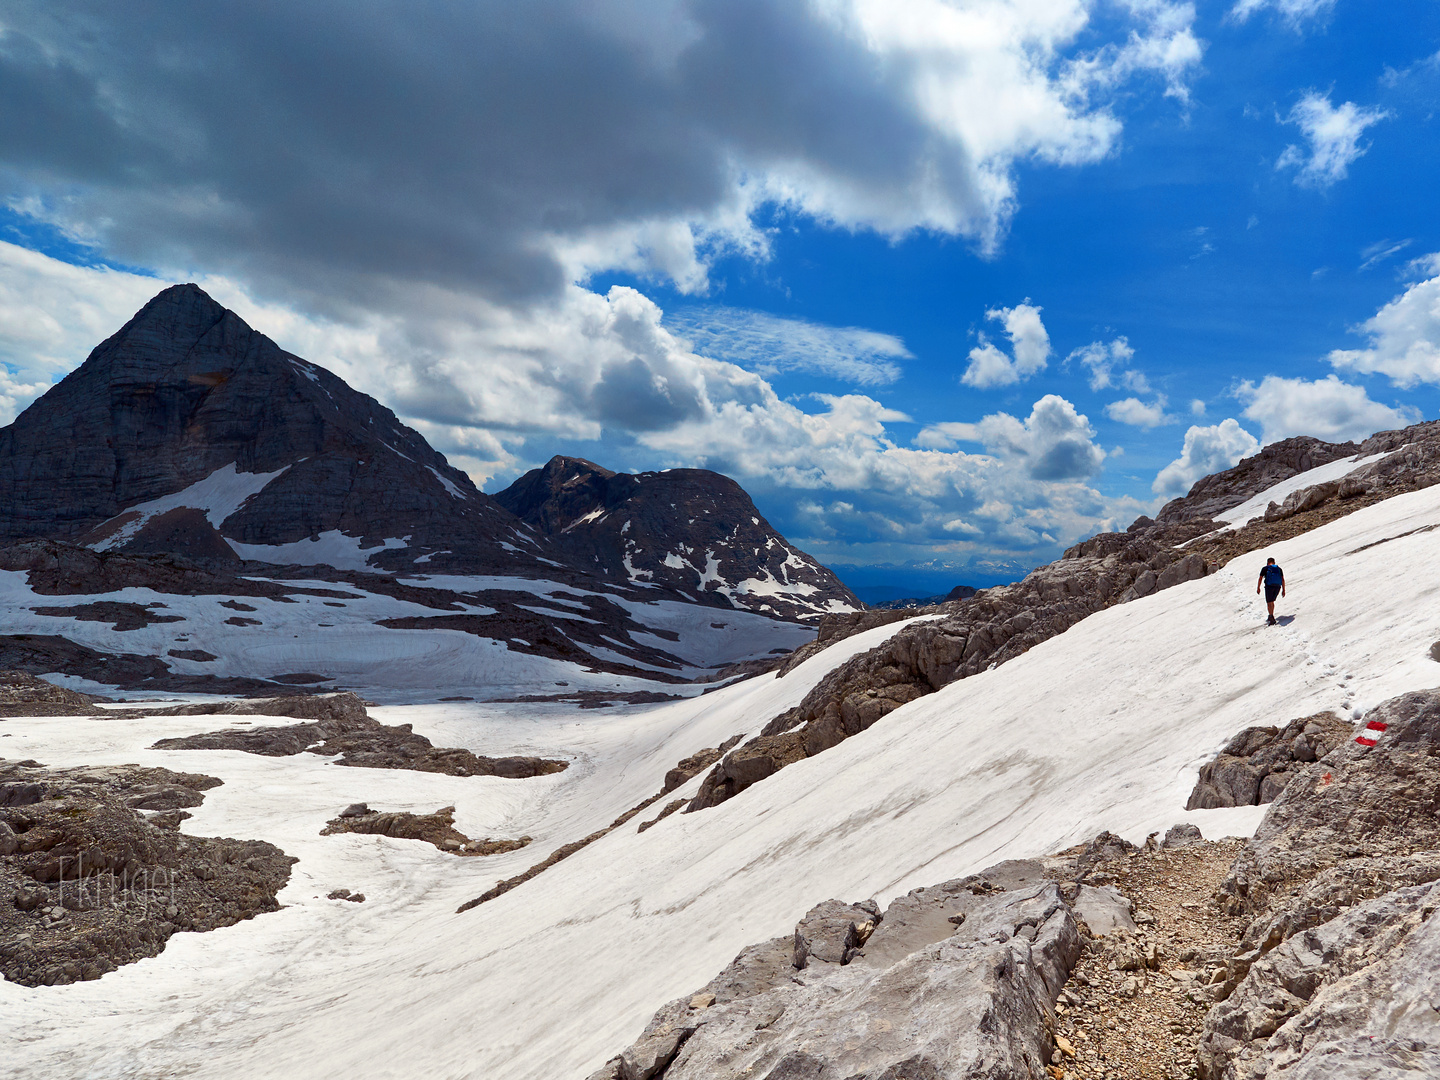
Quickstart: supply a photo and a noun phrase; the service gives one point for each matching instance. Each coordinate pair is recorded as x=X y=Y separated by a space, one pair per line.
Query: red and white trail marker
x=1373 y=730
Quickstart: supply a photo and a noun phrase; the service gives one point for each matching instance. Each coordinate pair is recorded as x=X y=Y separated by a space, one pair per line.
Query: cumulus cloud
x=768 y=344
x=1404 y=334
x=640 y=134
x=1334 y=138
x=1293 y=11
x=1137 y=413
x=990 y=366
x=1109 y=365
x=592 y=367
x=1325 y=408
x=1206 y=450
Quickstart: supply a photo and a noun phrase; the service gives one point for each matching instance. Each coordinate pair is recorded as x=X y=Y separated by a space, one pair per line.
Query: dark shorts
x=1271 y=592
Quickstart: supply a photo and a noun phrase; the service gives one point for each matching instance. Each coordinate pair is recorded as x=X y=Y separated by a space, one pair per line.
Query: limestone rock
x=974 y=1003
x=97 y=882
x=1256 y=764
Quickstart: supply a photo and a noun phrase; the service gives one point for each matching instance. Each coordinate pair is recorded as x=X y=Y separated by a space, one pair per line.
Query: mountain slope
x=689 y=530
x=1101 y=727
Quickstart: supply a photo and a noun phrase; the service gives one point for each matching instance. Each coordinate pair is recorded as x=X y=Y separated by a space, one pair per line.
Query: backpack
x=1273 y=575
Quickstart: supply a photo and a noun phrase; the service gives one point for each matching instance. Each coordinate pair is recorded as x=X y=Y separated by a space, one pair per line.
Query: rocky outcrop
x=1213 y=495
x=953 y=981
x=22 y=694
x=1256 y=764
x=437 y=829
x=94 y=873
x=343 y=728
x=692 y=531
x=52 y=654
x=1340 y=960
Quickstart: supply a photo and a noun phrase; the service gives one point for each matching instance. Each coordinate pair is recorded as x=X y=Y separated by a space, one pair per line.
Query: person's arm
x=1282 y=582
x=1259 y=581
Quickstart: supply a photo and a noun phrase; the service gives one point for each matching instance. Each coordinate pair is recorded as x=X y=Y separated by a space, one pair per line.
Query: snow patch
x=219 y=495
x=332 y=548
x=449 y=484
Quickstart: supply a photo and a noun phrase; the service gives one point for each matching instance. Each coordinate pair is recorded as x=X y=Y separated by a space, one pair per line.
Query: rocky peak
x=690 y=530
x=188 y=406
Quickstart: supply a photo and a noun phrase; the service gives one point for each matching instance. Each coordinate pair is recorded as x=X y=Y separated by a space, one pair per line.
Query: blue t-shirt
x=1273 y=574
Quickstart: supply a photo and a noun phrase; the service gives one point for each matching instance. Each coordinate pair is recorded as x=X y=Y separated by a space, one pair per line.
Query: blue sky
x=946 y=286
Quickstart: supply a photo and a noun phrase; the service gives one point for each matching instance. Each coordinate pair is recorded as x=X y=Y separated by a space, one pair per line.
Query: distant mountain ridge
x=689 y=530
x=189 y=432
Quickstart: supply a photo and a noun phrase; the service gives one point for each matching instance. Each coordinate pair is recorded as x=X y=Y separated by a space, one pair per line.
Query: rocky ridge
x=691 y=531
x=342 y=727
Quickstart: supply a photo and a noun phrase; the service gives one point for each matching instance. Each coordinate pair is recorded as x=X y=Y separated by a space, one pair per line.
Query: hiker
x=1273 y=578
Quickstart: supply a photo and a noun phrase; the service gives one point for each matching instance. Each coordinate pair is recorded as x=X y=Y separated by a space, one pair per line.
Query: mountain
x=187 y=407
x=688 y=530
x=270 y=526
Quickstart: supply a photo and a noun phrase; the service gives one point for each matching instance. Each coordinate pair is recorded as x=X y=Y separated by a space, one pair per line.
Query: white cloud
x=1333 y=135
x=52 y=314
x=1109 y=365
x=1325 y=408
x=990 y=367
x=1206 y=450
x=640 y=136
x=1197 y=407
x=1404 y=334
x=1137 y=413
x=593 y=367
x=768 y=344
x=1163 y=44
x=1378 y=252
x=1294 y=11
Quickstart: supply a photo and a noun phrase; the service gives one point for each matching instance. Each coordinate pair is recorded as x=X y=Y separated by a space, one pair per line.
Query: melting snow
x=449 y=484
x=220 y=494
x=1101 y=727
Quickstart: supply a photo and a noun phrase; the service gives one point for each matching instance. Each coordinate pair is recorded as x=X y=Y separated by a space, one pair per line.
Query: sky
x=947 y=286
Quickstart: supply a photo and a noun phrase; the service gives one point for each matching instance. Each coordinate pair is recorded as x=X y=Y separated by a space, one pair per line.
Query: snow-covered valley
x=1102 y=727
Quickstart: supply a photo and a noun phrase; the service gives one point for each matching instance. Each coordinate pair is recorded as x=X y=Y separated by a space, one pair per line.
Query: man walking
x=1273 y=578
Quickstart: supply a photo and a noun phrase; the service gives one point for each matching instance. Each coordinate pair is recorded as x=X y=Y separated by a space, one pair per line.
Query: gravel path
x=1135 y=1003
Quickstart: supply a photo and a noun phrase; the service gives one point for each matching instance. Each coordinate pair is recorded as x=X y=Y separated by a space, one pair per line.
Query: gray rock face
x=1213 y=495
x=186 y=388
x=1337 y=1000
x=972 y=1003
x=1340 y=965
x=1377 y=801
x=690 y=530
x=1256 y=764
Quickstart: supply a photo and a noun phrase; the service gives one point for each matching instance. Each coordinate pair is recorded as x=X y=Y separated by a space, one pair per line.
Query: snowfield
x=342 y=638
x=1101 y=727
